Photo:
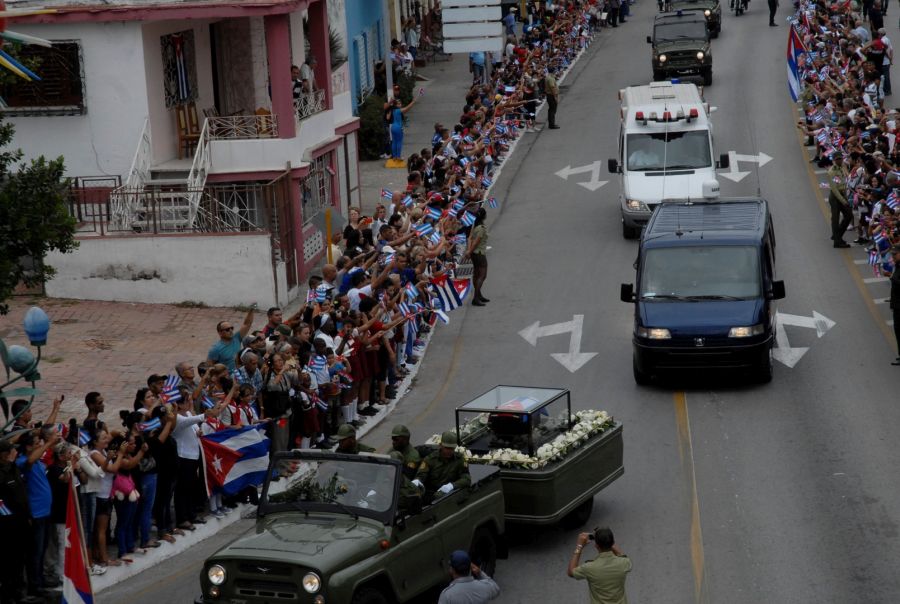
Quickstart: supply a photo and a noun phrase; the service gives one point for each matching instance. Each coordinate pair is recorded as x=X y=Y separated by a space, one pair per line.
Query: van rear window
x=720 y=272
x=668 y=150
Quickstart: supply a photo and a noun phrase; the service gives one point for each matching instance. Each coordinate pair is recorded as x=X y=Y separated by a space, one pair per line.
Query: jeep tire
x=581 y=514
x=707 y=76
x=483 y=551
x=369 y=595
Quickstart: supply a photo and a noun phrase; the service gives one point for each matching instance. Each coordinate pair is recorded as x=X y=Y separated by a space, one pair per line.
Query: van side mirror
x=724 y=161
x=612 y=165
x=649 y=40
x=777 y=290
x=626 y=294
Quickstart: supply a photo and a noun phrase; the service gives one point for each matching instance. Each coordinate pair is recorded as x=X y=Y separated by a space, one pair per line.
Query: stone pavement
x=112 y=347
x=443 y=101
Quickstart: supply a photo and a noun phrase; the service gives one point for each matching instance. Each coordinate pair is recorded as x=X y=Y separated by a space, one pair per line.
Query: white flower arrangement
x=587 y=424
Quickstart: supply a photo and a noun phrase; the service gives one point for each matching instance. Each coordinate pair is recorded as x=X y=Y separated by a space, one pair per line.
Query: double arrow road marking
x=734 y=157
x=594 y=168
x=574 y=359
x=787 y=354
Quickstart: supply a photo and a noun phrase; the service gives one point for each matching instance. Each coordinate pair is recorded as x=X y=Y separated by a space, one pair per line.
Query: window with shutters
x=60 y=90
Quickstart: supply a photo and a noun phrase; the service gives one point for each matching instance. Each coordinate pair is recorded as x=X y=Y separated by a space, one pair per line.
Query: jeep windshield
x=717 y=272
x=684 y=30
x=668 y=150
x=352 y=485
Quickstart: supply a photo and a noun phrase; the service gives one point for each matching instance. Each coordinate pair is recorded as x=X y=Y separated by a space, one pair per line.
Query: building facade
x=203 y=167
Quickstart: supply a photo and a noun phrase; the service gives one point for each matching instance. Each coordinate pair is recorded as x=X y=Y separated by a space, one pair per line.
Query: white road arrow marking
x=734 y=157
x=784 y=352
x=574 y=359
x=594 y=168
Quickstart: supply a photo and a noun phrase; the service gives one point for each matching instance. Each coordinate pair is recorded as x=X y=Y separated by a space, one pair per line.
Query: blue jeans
x=145 y=515
x=88 y=504
x=397 y=141
x=125 y=512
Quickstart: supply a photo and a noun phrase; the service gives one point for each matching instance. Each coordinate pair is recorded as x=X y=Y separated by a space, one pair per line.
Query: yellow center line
x=848 y=260
x=686 y=452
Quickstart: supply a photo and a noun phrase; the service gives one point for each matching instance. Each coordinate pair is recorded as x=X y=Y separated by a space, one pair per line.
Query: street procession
x=253 y=352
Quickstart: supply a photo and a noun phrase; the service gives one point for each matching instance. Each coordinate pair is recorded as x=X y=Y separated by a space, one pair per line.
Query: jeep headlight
x=636 y=205
x=707 y=12
x=654 y=333
x=700 y=56
x=216 y=574
x=311 y=583
x=662 y=58
x=745 y=332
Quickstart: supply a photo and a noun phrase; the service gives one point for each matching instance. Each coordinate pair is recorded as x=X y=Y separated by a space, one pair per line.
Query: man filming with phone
x=606 y=573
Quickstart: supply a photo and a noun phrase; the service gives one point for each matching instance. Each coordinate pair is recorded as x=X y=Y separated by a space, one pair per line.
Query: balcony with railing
x=242 y=127
x=309 y=103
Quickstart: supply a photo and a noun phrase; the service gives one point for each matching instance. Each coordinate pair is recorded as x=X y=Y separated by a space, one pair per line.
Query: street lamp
x=23 y=362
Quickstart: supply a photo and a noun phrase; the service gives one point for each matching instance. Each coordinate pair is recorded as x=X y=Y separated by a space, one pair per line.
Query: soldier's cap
x=400 y=430
x=460 y=561
x=448 y=439
x=346 y=431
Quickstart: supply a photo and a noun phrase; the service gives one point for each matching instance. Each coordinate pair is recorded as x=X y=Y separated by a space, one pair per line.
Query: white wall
x=162 y=119
x=103 y=141
x=218 y=270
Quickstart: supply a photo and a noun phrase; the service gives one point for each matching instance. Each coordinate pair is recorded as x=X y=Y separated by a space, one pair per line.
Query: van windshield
x=668 y=150
x=700 y=273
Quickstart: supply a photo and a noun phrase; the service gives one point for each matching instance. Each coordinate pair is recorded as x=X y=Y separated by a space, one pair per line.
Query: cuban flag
x=795 y=48
x=434 y=213
x=492 y=202
x=460 y=239
x=467 y=219
x=458 y=205
x=408 y=201
x=318 y=362
x=311 y=296
x=411 y=292
x=500 y=129
x=170 y=389
x=84 y=437
x=207 y=402
x=893 y=200
x=486 y=182
x=321 y=293
x=435 y=237
x=385 y=194
x=153 y=424
x=450 y=292
x=874 y=258
x=4 y=509
x=424 y=229
x=882 y=243
x=76 y=577
x=463 y=162
x=235 y=459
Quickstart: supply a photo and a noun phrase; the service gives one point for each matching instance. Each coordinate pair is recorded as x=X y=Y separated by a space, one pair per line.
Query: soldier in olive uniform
x=443 y=471
x=347 y=442
x=410 y=497
x=408 y=454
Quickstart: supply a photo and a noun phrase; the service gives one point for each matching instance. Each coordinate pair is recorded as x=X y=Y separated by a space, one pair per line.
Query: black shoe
x=483 y=299
x=841 y=244
x=370 y=410
x=477 y=303
x=896 y=361
x=773 y=25
x=198 y=521
x=553 y=127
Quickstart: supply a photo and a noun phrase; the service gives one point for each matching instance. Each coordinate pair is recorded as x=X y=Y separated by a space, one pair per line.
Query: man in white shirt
x=363 y=287
x=187 y=442
x=307 y=73
x=887 y=62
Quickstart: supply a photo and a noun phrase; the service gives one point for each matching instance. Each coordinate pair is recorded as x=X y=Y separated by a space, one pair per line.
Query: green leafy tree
x=34 y=219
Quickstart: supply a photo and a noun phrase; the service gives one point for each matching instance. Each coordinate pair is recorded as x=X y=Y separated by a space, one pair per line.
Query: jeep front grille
x=266 y=589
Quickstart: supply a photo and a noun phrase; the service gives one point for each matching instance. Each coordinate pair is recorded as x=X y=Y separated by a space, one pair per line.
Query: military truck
x=711 y=9
x=335 y=528
x=681 y=46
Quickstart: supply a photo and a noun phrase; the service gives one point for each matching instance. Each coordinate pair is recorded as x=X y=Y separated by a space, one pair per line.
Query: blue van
x=705 y=289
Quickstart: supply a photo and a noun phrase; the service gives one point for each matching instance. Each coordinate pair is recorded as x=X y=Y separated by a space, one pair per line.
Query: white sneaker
x=218 y=514
x=98 y=570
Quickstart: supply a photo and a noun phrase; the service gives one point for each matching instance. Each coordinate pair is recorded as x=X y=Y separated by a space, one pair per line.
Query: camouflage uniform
x=435 y=471
x=411 y=460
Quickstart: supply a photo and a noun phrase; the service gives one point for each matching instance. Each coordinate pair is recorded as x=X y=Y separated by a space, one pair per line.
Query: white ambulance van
x=665 y=150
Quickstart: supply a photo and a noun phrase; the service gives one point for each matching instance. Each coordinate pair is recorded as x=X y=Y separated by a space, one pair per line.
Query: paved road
x=732 y=493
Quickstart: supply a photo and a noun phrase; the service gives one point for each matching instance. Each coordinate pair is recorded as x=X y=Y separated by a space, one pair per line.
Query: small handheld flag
x=408 y=201
x=153 y=424
x=467 y=219
x=385 y=194
x=434 y=213
x=411 y=292
x=424 y=229
x=486 y=182
x=318 y=363
x=84 y=437
x=492 y=202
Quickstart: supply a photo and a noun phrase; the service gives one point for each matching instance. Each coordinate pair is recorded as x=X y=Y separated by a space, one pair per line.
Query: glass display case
x=513 y=417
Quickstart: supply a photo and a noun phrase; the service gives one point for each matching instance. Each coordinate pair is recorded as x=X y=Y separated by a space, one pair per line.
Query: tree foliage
x=34 y=219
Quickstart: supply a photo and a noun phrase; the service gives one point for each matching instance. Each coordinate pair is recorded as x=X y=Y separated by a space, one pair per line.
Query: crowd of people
x=844 y=60
x=312 y=378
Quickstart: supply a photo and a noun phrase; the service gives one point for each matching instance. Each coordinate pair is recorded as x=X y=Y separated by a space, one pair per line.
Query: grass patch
x=191 y=304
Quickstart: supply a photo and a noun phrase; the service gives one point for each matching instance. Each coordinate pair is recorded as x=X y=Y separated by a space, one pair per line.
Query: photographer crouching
x=606 y=573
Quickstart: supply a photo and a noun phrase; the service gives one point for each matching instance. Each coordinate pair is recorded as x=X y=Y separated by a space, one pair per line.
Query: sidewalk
x=443 y=102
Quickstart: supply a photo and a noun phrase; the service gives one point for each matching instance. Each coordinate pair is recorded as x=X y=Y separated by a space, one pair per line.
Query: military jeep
x=711 y=9
x=681 y=46
x=334 y=528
